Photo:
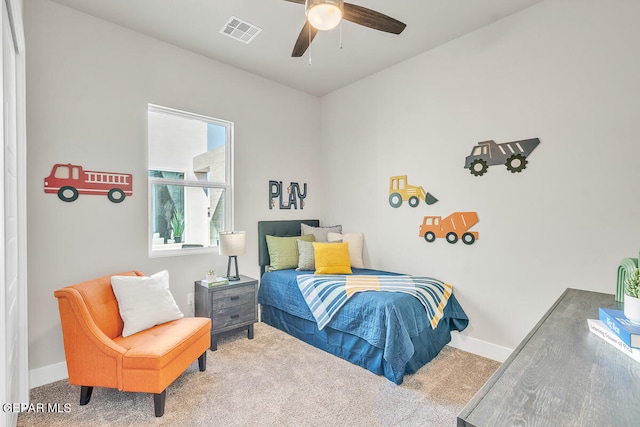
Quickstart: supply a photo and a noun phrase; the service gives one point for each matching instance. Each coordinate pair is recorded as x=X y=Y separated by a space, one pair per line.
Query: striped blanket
x=326 y=294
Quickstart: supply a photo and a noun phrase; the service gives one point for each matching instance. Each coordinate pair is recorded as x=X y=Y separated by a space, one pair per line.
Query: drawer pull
x=234 y=298
x=235 y=316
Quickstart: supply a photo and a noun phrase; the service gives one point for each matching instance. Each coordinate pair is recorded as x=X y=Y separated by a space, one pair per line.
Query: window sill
x=176 y=249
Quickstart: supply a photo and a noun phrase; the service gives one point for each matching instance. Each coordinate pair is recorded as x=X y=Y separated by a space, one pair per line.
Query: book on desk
x=628 y=331
x=602 y=331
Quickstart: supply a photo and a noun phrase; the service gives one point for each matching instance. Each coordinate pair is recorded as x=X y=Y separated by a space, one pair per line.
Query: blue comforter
x=387 y=320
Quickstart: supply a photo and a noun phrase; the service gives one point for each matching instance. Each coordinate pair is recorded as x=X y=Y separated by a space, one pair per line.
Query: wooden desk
x=561 y=375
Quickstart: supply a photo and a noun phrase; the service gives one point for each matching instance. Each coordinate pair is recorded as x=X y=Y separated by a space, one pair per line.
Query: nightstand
x=232 y=306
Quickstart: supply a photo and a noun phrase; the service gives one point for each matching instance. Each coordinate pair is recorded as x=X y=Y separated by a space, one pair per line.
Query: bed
x=387 y=333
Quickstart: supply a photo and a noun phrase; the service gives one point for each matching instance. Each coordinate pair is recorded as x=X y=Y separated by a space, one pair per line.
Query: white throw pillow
x=144 y=301
x=356 y=246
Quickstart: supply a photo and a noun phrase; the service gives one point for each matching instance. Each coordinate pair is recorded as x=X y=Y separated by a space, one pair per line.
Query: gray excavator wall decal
x=511 y=154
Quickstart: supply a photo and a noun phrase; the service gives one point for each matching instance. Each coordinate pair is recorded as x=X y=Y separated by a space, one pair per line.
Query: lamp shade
x=232 y=243
x=324 y=14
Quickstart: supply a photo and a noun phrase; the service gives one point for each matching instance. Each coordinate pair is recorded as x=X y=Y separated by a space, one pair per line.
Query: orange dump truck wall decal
x=68 y=181
x=455 y=226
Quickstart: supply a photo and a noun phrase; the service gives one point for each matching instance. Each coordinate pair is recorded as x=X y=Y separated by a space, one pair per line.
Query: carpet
x=277 y=380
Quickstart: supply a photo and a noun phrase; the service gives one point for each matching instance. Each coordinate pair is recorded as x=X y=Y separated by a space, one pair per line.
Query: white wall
x=566 y=72
x=88 y=85
x=563 y=71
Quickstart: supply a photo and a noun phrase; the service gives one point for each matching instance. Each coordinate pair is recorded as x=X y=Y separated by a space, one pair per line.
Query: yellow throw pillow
x=332 y=258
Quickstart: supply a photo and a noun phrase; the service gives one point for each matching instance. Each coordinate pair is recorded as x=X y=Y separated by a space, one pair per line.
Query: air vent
x=241 y=30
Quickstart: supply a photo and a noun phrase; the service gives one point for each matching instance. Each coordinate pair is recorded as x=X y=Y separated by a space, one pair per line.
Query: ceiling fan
x=326 y=14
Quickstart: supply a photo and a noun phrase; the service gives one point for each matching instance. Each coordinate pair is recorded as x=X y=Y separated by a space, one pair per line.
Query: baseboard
x=48 y=374
x=479 y=347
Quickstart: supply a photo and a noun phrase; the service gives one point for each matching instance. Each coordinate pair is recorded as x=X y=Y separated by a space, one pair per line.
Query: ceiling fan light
x=324 y=14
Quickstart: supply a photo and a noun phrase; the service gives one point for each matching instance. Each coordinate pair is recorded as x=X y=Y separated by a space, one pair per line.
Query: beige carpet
x=277 y=380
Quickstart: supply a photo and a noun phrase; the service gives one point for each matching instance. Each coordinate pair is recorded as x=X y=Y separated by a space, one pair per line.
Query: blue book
x=628 y=331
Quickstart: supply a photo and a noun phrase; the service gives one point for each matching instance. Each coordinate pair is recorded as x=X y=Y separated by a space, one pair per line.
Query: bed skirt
x=356 y=350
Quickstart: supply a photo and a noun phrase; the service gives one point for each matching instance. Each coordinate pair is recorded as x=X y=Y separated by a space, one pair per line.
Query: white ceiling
x=195 y=24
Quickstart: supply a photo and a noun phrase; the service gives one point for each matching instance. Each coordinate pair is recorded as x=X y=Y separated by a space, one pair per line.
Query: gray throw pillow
x=320 y=233
x=306 y=259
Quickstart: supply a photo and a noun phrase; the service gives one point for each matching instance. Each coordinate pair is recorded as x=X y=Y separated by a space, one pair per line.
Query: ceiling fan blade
x=296 y=1
x=372 y=19
x=304 y=40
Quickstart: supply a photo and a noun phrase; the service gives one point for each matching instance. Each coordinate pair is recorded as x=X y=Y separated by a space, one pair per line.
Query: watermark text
x=37 y=407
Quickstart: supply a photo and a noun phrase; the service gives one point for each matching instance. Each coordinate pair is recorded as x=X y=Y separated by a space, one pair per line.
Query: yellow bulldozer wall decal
x=400 y=191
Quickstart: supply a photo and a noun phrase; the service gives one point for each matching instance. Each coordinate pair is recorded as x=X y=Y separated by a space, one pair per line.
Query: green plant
x=632 y=284
x=212 y=272
x=177 y=224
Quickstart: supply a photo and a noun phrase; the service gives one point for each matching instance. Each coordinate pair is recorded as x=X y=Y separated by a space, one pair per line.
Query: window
x=62 y=172
x=190 y=192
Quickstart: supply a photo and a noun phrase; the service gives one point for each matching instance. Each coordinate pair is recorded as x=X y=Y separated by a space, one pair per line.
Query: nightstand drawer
x=233 y=315
x=233 y=297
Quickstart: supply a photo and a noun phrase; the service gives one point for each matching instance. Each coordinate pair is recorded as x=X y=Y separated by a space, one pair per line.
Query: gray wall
x=88 y=85
x=563 y=71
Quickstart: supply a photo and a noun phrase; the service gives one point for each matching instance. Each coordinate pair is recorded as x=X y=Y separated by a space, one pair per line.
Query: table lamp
x=232 y=244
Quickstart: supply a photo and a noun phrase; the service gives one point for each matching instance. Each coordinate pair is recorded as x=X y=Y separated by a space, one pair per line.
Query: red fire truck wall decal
x=68 y=181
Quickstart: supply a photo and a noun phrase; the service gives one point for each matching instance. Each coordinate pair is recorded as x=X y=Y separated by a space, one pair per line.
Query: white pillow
x=144 y=301
x=356 y=246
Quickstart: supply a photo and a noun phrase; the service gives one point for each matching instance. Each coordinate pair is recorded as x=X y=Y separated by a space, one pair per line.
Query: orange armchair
x=98 y=356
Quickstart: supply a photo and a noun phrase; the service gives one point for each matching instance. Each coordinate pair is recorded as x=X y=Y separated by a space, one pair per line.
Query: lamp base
x=236 y=277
